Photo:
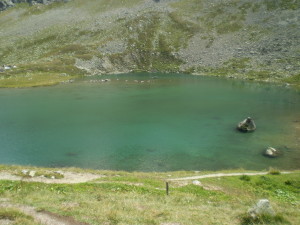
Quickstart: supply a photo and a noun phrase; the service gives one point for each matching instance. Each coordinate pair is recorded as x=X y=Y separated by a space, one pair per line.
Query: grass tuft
x=273 y=171
x=16 y=216
x=263 y=219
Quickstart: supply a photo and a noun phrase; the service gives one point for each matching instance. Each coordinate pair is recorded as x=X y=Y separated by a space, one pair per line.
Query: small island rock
x=271 y=152
x=247 y=125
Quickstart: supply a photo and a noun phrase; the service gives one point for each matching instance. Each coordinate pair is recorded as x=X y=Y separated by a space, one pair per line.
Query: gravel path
x=44 y=217
x=69 y=178
x=221 y=175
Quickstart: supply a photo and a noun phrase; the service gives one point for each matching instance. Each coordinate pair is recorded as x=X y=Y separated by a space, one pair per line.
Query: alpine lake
x=150 y=122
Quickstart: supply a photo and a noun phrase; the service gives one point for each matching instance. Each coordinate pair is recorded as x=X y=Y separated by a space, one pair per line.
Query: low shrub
x=245 y=178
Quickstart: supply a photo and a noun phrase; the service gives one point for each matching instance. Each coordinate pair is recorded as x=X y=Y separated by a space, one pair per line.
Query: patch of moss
x=295 y=79
x=33 y=80
x=282 y=4
x=40 y=74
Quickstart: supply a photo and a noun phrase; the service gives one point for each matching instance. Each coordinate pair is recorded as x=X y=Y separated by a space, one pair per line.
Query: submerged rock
x=271 y=152
x=247 y=125
x=262 y=207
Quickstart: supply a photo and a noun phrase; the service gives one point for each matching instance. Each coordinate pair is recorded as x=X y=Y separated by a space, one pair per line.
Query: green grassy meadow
x=140 y=198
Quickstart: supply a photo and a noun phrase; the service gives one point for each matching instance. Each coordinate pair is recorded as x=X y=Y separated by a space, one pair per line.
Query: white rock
x=59 y=172
x=25 y=172
x=32 y=173
x=196 y=182
x=271 y=152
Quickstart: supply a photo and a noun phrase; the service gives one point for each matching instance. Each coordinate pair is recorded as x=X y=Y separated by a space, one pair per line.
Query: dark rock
x=247 y=125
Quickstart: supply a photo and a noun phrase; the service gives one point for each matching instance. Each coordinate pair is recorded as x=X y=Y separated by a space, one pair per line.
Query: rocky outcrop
x=247 y=125
x=5 y=4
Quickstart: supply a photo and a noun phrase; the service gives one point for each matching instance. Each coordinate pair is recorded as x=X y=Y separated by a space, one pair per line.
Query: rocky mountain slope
x=5 y=4
x=253 y=39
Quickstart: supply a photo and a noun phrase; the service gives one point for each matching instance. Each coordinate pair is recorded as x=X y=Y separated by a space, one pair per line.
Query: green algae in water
x=150 y=122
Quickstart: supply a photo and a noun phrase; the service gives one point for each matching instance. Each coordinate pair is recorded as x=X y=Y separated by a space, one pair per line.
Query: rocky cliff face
x=5 y=4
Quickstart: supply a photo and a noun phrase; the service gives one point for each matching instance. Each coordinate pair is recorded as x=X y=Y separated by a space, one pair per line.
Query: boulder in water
x=271 y=152
x=247 y=125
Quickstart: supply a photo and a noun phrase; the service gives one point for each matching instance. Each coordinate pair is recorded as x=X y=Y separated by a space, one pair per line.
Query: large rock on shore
x=247 y=125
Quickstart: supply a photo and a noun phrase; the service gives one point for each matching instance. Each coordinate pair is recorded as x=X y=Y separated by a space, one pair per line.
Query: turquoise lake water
x=168 y=122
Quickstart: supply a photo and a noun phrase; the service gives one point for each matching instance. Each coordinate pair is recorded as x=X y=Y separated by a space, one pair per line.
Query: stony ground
x=248 y=39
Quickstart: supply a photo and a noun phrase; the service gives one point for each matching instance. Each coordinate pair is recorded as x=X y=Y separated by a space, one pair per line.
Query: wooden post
x=167 y=187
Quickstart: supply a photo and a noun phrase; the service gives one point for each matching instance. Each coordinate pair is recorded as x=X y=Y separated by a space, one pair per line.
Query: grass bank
x=119 y=197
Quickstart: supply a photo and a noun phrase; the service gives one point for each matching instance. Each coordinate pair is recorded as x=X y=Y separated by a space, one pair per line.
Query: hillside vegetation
x=51 y=43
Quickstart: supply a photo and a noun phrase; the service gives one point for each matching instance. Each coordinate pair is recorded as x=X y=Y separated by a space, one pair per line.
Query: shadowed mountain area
x=45 y=42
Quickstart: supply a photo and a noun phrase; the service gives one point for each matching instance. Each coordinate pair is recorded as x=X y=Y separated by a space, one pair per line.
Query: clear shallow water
x=173 y=122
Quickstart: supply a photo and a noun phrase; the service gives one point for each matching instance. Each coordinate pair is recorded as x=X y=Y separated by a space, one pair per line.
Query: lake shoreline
x=30 y=84
x=82 y=175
